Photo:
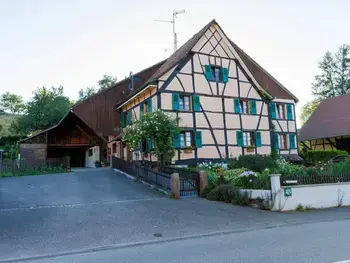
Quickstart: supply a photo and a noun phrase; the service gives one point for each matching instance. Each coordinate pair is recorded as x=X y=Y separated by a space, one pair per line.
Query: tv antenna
x=175 y=13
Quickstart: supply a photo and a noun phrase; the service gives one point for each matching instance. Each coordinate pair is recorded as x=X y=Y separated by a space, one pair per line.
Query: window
x=282 y=141
x=186 y=139
x=185 y=103
x=248 y=139
x=114 y=148
x=90 y=152
x=244 y=106
x=280 y=111
x=145 y=107
x=217 y=75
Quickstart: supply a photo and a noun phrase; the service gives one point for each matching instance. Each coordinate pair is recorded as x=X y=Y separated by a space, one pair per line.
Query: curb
x=161 y=190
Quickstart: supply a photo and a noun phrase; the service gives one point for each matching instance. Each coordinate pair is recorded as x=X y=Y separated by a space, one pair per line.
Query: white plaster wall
x=254 y=194
x=315 y=196
x=234 y=151
x=215 y=119
x=250 y=122
x=202 y=85
x=184 y=156
x=292 y=126
x=220 y=136
x=154 y=103
x=167 y=75
x=232 y=121
x=186 y=81
x=207 y=138
x=282 y=124
x=208 y=152
x=232 y=137
x=186 y=119
x=229 y=105
x=231 y=88
x=174 y=85
x=241 y=75
x=211 y=103
x=245 y=87
x=264 y=123
x=187 y=68
x=90 y=160
x=166 y=101
x=264 y=150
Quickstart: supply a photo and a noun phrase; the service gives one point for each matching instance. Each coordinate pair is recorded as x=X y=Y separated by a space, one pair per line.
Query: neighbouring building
x=70 y=142
x=328 y=128
x=227 y=103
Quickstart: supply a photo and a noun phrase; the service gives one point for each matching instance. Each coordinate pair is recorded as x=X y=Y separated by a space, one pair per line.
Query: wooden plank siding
x=98 y=111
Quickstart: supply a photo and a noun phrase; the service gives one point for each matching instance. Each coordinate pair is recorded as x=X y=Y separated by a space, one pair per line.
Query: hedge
x=313 y=157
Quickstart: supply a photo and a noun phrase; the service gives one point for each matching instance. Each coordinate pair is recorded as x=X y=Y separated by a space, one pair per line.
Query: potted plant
x=250 y=149
x=188 y=149
x=97 y=164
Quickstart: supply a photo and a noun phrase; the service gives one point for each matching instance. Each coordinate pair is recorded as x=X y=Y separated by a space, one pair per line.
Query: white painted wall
x=90 y=160
x=312 y=196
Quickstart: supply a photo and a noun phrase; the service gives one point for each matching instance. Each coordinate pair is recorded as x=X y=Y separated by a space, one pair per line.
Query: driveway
x=98 y=209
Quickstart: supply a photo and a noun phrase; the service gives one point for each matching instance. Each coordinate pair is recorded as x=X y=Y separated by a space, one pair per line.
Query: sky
x=73 y=43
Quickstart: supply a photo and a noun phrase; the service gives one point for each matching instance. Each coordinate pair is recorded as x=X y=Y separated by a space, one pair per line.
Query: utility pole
x=175 y=13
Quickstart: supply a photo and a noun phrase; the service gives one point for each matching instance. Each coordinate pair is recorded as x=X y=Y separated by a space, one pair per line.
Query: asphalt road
x=309 y=243
x=70 y=215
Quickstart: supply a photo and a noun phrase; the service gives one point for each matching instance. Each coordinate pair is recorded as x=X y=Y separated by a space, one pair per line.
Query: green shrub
x=231 y=175
x=338 y=169
x=214 y=195
x=255 y=163
x=314 y=157
x=212 y=178
x=241 y=198
x=223 y=192
x=206 y=191
x=287 y=169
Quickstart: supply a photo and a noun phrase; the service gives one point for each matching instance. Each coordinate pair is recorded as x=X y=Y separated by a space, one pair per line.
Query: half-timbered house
x=227 y=103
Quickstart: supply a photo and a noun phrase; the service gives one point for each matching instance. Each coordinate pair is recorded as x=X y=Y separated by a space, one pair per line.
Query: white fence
x=286 y=198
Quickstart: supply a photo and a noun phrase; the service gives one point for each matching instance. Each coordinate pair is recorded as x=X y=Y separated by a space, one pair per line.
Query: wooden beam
x=81 y=129
x=332 y=143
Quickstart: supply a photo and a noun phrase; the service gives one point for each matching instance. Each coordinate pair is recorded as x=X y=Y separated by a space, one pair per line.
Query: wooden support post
x=203 y=180
x=175 y=185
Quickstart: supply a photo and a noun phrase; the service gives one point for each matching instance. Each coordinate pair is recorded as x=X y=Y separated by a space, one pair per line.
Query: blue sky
x=74 y=42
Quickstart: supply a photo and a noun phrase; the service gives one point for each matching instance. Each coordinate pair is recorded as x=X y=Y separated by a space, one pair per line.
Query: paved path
x=99 y=209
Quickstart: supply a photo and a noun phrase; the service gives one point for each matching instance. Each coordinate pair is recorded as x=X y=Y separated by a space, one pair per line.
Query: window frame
x=252 y=139
x=114 y=147
x=182 y=102
x=183 y=134
x=278 y=107
x=285 y=141
x=213 y=72
x=241 y=102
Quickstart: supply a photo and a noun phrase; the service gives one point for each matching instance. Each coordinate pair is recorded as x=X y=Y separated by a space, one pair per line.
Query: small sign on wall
x=287 y=191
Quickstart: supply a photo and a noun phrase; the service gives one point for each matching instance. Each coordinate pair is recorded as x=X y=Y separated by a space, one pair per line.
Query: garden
x=233 y=180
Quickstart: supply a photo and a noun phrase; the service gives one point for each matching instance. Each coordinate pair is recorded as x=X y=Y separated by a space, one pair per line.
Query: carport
x=70 y=142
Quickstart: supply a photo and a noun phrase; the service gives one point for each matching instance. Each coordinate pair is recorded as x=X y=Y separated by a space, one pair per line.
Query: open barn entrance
x=71 y=139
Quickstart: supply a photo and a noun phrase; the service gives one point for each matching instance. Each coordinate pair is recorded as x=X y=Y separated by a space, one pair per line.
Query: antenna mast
x=175 y=13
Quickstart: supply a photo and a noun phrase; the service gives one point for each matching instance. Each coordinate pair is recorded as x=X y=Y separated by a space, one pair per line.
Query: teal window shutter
x=196 y=103
x=176 y=141
x=275 y=141
x=198 y=139
x=237 y=106
x=224 y=72
x=273 y=111
x=258 y=139
x=239 y=135
x=252 y=107
x=292 y=141
x=128 y=117
x=122 y=120
x=141 y=110
x=149 y=145
x=208 y=72
x=289 y=112
x=176 y=98
x=149 y=105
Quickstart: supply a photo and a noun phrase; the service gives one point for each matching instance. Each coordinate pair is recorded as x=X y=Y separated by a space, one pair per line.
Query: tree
x=12 y=103
x=307 y=109
x=83 y=94
x=334 y=79
x=106 y=82
x=45 y=109
x=157 y=127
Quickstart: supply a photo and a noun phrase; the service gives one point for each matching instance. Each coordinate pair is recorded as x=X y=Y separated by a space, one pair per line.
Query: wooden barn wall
x=34 y=154
x=98 y=111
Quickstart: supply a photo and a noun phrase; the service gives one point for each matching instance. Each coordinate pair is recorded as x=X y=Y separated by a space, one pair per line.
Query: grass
x=33 y=171
x=5 y=122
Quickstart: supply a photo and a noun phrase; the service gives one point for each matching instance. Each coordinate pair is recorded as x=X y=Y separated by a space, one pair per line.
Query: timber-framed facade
x=223 y=99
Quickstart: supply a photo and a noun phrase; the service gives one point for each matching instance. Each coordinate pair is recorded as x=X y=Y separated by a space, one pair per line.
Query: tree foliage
x=84 y=93
x=12 y=103
x=158 y=127
x=334 y=79
x=45 y=109
x=104 y=83
x=307 y=109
